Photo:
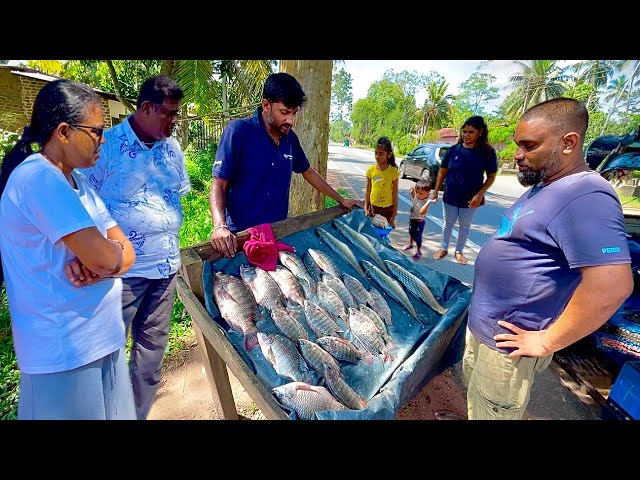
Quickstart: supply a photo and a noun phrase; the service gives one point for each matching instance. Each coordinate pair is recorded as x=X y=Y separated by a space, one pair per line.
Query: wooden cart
x=218 y=353
x=216 y=350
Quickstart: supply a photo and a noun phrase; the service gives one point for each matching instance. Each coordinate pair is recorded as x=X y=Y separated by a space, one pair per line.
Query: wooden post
x=223 y=404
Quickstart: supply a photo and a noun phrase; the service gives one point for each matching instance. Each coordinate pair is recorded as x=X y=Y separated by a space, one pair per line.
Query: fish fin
x=251 y=341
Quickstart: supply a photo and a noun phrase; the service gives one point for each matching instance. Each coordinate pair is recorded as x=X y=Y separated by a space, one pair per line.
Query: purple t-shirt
x=528 y=270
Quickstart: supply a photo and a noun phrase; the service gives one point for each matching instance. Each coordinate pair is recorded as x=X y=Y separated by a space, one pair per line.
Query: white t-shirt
x=56 y=326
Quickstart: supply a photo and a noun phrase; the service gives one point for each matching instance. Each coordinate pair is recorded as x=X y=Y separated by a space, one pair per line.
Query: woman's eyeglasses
x=97 y=131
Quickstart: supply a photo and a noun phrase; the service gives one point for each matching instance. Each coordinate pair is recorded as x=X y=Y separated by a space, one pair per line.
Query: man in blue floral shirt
x=141 y=176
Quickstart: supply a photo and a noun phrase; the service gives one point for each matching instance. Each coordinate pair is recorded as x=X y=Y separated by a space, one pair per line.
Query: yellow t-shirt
x=382 y=185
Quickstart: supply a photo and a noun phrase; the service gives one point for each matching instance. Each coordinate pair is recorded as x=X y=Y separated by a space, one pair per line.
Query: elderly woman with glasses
x=62 y=255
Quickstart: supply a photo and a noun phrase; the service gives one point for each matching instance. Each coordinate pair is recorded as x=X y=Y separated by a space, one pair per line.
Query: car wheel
x=425 y=174
x=401 y=169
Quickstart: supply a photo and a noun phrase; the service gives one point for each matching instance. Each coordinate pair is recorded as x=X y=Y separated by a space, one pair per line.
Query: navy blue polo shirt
x=258 y=172
x=465 y=177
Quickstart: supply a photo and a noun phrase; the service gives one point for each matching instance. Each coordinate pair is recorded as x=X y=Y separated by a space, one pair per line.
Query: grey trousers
x=146 y=310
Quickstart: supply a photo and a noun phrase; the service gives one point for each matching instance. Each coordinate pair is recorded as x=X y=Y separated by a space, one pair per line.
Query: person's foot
x=440 y=254
x=445 y=415
x=460 y=258
x=407 y=247
x=417 y=256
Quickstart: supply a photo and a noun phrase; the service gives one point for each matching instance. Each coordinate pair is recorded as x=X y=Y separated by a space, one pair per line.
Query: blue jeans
x=464 y=217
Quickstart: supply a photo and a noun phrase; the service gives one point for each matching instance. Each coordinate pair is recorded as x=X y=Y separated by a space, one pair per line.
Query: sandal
x=440 y=254
x=460 y=258
x=407 y=247
x=417 y=256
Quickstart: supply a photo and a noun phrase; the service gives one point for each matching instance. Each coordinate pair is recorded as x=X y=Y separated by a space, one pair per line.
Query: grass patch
x=330 y=202
x=629 y=202
x=9 y=373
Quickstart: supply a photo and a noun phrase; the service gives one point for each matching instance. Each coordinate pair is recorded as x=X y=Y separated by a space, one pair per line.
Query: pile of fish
x=324 y=317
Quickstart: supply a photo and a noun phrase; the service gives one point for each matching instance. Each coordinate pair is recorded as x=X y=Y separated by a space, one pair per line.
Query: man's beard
x=531 y=177
x=277 y=128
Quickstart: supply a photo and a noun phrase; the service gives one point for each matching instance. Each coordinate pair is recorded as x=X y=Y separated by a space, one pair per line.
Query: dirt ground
x=184 y=394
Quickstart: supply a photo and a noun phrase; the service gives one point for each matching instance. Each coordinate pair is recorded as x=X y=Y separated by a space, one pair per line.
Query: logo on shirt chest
x=287 y=156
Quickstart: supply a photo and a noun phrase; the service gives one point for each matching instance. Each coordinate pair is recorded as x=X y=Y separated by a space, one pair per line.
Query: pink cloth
x=262 y=247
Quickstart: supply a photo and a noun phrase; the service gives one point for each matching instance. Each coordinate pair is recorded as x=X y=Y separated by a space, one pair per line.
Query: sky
x=365 y=72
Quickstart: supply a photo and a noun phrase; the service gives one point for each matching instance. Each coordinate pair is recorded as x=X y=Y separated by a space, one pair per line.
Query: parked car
x=424 y=161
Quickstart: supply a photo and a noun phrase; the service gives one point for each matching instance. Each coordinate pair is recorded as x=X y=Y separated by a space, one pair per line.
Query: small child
x=419 y=206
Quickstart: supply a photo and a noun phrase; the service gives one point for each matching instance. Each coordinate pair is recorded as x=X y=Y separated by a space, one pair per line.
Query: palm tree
x=595 y=73
x=437 y=106
x=540 y=81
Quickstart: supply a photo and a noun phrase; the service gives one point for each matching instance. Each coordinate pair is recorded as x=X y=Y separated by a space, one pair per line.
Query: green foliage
x=341 y=95
x=9 y=373
x=7 y=141
x=475 y=92
x=405 y=144
x=505 y=156
x=179 y=329
x=339 y=130
x=500 y=135
x=330 y=202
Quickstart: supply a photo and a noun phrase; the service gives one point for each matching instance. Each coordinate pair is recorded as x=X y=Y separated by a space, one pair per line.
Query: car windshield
x=442 y=151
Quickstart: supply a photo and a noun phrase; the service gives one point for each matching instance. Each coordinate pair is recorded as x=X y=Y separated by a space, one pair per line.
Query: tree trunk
x=167 y=67
x=312 y=127
x=116 y=86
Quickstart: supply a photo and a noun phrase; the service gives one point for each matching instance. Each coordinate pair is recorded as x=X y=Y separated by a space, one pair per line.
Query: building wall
x=17 y=94
x=13 y=116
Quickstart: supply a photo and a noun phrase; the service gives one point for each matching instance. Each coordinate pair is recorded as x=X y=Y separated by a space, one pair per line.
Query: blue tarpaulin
x=423 y=349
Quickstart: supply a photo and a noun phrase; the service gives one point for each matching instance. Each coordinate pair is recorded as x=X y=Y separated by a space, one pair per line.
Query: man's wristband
x=219 y=226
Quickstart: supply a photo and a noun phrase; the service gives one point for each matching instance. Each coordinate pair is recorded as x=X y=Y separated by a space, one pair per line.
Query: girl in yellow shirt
x=382 y=183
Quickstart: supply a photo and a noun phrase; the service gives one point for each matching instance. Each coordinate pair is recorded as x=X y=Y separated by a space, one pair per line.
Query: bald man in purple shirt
x=555 y=271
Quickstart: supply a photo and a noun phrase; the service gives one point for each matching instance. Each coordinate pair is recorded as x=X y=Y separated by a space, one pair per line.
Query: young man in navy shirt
x=254 y=163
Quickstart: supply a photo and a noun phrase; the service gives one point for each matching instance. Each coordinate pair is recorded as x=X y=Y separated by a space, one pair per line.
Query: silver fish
x=343 y=349
x=331 y=301
x=367 y=334
x=416 y=286
x=288 y=325
x=295 y=264
x=317 y=357
x=314 y=270
x=335 y=284
x=283 y=355
x=377 y=321
x=359 y=241
x=357 y=290
x=324 y=262
x=264 y=288
x=237 y=306
x=390 y=286
x=320 y=321
x=288 y=284
x=340 y=248
x=375 y=242
x=380 y=306
x=306 y=399
x=342 y=391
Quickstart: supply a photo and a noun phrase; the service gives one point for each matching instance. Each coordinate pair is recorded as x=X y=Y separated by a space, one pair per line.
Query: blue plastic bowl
x=383 y=232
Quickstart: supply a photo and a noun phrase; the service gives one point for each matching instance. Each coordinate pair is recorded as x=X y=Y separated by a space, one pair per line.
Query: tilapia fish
x=283 y=355
x=342 y=391
x=331 y=301
x=263 y=286
x=357 y=290
x=377 y=321
x=380 y=306
x=416 y=286
x=360 y=242
x=288 y=325
x=343 y=349
x=314 y=270
x=320 y=321
x=237 y=306
x=390 y=286
x=306 y=399
x=317 y=357
x=367 y=334
x=295 y=264
x=340 y=248
x=324 y=262
x=288 y=284
x=335 y=284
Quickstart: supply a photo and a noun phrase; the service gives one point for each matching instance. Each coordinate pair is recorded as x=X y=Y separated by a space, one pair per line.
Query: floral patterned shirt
x=141 y=188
